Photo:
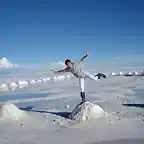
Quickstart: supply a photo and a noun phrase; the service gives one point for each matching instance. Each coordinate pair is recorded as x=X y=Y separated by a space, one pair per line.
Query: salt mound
x=3 y=86
x=129 y=73
x=86 y=111
x=11 y=112
x=55 y=78
x=135 y=73
x=13 y=84
x=120 y=74
x=32 y=82
x=68 y=76
x=43 y=79
x=22 y=83
x=25 y=82
x=61 y=77
x=113 y=74
x=48 y=78
x=38 y=80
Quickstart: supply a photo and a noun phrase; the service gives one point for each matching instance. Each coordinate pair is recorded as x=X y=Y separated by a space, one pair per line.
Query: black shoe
x=100 y=75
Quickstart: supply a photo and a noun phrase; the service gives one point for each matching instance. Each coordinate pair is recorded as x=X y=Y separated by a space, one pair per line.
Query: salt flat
x=47 y=120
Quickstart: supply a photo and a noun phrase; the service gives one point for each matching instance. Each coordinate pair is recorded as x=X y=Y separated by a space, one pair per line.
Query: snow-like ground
x=47 y=106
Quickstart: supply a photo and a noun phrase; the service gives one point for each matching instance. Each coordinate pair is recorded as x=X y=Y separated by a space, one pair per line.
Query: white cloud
x=116 y=64
x=5 y=64
x=62 y=64
x=129 y=63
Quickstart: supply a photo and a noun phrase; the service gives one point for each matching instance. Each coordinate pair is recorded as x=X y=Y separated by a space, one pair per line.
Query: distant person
x=73 y=67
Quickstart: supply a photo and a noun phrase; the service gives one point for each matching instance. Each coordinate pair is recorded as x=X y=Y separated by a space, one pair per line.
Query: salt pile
x=13 y=84
x=61 y=77
x=135 y=73
x=48 y=78
x=11 y=112
x=38 y=80
x=3 y=86
x=129 y=74
x=113 y=74
x=32 y=82
x=68 y=76
x=86 y=111
x=22 y=83
x=55 y=78
x=120 y=74
x=44 y=79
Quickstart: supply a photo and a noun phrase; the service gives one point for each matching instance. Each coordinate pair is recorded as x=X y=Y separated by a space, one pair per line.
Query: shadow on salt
x=139 y=93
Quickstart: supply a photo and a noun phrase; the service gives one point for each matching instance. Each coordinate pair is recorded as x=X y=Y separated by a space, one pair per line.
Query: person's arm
x=60 y=71
x=82 y=59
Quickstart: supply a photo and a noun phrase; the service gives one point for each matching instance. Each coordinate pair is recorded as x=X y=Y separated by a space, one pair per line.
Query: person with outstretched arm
x=73 y=67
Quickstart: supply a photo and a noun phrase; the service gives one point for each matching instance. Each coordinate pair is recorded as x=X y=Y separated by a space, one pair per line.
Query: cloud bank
x=124 y=64
x=117 y=64
x=5 y=64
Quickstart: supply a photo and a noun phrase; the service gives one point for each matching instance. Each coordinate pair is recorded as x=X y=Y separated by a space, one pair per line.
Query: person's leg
x=90 y=76
x=82 y=93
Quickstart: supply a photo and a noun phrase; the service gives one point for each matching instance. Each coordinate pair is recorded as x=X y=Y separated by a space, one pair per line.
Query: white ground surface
x=48 y=104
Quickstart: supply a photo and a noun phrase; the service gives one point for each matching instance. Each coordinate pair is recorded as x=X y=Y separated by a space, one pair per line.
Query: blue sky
x=40 y=31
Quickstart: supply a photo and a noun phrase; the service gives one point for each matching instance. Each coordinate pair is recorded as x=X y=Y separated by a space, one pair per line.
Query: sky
x=42 y=31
